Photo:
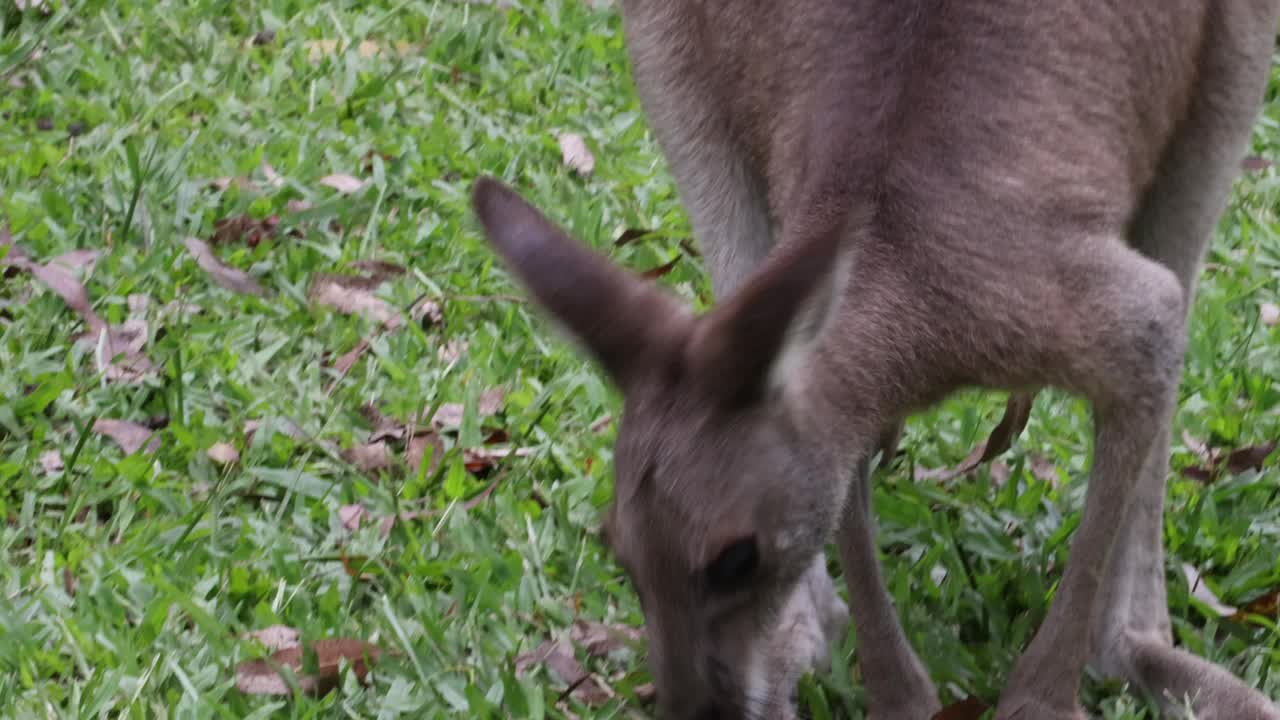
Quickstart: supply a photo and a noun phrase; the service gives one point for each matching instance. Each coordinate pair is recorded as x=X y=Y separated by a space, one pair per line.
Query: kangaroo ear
x=627 y=323
x=763 y=335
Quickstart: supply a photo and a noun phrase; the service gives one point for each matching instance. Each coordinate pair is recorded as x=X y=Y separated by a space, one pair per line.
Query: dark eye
x=734 y=565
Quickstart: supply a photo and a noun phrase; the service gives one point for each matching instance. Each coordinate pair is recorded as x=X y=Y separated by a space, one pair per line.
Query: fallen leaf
x=297 y=205
x=60 y=280
x=450 y=352
x=970 y=708
x=228 y=277
x=259 y=677
x=320 y=49
x=574 y=153
x=1000 y=472
x=479 y=461
x=352 y=295
x=1269 y=314
x=1200 y=591
x=557 y=657
x=348 y=359
x=51 y=462
x=1254 y=163
x=645 y=692
x=490 y=401
x=661 y=270
x=630 y=235
x=274 y=179
x=1213 y=461
x=1017 y=411
x=81 y=261
x=417 y=450
x=343 y=183
x=223 y=453
x=599 y=639
x=1043 y=469
x=1252 y=457
x=244 y=228
x=351 y=515
x=1265 y=605
x=370 y=458
x=275 y=637
x=379 y=270
x=130 y=436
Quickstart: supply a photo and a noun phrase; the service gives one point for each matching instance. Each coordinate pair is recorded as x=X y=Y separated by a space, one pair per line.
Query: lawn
x=338 y=416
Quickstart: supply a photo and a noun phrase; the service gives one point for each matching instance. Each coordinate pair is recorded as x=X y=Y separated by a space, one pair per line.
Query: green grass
x=171 y=556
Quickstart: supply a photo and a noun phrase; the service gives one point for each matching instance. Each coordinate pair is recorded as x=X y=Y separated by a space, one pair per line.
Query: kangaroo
x=898 y=199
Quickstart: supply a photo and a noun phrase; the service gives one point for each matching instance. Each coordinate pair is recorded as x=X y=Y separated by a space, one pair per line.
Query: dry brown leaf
x=351 y=515
x=557 y=657
x=1266 y=605
x=657 y=272
x=318 y=50
x=244 y=228
x=450 y=415
x=51 y=462
x=273 y=178
x=228 y=277
x=1043 y=469
x=1017 y=411
x=343 y=183
x=223 y=453
x=970 y=708
x=490 y=401
x=351 y=296
x=275 y=637
x=450 y=352
x=574 y=153
x=259 y=677
x=372 y=458
x=1213 y=461
x=630 y=235
x=61 y=281
x=348 y=359
x=81 y=262
x=379 y=270
x=1269 y=314
x=479 y=461
x=1254 y=163
x=130 y=436
x=1251 y=457
x=1200 y=591
x=417 y=450
x=599 y=639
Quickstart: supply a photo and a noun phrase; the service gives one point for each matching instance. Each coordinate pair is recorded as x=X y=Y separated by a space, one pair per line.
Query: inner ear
x=754 y=343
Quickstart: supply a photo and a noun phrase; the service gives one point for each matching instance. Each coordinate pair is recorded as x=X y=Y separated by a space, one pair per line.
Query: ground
x=296 y=139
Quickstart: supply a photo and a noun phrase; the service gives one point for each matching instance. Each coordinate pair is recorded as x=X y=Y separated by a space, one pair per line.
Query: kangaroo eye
x=734 y=565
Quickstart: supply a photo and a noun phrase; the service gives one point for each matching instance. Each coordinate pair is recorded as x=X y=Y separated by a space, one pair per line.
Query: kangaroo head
x=724 y=492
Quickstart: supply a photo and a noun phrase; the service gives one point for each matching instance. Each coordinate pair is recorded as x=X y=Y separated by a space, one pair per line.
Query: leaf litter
x=1215 y=461
x=1017 y=412
x=129 y=435
x=1202 y=592
x=260 y=677
x=118 y=348
x=228 y=277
